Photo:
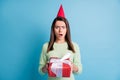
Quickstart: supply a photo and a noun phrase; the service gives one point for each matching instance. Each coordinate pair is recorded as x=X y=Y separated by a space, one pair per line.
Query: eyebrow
x=60 y=26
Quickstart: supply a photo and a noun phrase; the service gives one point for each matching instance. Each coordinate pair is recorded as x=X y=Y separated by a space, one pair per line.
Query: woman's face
x=60 y=30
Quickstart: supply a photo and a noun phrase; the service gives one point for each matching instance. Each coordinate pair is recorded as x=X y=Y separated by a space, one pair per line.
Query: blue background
x=25 y=26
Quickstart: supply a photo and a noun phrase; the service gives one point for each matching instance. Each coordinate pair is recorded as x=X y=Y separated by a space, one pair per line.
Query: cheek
x=65 y=31
x=55 y=31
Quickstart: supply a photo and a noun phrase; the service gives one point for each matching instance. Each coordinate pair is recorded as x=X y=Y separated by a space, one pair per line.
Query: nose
x=60 y=29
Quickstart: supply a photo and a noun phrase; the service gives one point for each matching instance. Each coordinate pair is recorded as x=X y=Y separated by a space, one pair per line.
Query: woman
x=60 y=43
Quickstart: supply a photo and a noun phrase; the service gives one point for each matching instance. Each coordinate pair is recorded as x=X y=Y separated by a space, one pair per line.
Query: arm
x=43 y=60
x=77 y=66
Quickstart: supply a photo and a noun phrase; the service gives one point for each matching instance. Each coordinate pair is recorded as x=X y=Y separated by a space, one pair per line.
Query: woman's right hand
x=45 y=68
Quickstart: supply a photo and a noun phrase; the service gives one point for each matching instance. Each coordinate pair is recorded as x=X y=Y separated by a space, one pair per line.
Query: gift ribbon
x=56 y=66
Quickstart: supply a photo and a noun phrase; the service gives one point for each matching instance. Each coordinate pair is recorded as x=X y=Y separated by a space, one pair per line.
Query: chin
x=60 y=38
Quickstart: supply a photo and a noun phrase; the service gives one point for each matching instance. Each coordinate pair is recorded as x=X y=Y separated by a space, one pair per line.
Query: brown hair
x=67 y=36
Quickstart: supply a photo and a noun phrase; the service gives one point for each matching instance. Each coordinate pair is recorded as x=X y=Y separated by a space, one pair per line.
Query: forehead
x=60 y=23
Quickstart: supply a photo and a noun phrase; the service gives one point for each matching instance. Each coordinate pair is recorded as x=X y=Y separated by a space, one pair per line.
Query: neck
x=60 y=41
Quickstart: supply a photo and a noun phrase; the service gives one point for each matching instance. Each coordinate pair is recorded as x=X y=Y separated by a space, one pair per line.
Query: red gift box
x=59 y=68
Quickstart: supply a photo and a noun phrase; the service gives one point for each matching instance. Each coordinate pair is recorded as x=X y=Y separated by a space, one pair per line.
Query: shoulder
x=45 y=46
x=75 y=44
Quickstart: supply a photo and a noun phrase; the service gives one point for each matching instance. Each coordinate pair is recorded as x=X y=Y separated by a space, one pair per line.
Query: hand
x=45 y=68
x=74 y=68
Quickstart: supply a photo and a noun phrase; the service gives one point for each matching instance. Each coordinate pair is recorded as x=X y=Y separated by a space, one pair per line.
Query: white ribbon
x=56 y=66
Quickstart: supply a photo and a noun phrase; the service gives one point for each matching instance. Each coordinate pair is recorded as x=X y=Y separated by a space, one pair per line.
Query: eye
x=63 y=27
x=56 y=27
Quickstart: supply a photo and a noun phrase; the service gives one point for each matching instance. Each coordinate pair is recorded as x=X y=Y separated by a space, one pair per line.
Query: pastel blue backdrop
x=25 y=27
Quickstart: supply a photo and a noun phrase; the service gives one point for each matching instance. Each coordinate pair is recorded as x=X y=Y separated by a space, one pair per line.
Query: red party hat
x=61 y=12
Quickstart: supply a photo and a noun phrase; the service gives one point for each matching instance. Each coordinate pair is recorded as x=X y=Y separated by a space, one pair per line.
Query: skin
x=60 y=32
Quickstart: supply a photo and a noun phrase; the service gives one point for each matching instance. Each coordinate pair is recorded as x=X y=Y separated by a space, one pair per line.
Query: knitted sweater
x=59 y=50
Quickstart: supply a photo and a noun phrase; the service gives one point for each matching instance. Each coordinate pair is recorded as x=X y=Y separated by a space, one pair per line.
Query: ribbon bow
x=56 y=66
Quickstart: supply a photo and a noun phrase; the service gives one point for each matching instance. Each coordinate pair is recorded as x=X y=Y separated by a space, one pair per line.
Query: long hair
x=67 y=36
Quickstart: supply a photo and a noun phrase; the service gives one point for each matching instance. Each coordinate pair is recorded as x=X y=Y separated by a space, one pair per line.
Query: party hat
x=61 y=12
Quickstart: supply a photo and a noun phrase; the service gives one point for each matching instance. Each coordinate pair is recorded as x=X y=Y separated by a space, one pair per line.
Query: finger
x=46 y=65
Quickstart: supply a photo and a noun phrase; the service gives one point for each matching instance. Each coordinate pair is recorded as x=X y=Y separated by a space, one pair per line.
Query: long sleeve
x=59 y=51
x=43 y=59
x=77 y=58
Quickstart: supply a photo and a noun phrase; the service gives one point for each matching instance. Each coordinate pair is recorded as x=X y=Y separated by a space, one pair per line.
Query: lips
x=60 y=34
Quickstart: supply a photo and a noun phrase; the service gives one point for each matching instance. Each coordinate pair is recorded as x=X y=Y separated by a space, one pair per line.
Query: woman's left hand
x=74 y=68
